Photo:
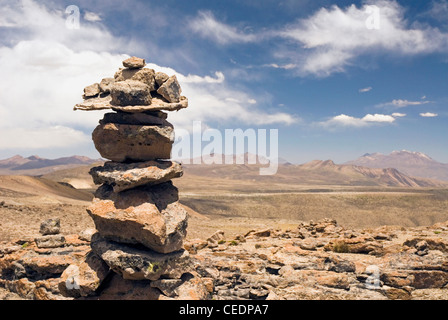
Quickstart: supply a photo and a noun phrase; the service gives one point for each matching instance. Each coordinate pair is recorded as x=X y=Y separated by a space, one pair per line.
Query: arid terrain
x=278 y=228
x=236 y=199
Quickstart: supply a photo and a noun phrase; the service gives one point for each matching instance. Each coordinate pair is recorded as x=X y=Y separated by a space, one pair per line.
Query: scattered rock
x=50 y=226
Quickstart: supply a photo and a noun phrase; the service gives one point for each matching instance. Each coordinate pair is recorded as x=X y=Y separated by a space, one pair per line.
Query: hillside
x=415 y=164
x=35 y=165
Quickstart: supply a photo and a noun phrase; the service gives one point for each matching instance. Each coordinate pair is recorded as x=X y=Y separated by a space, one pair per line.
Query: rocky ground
x=315 y=260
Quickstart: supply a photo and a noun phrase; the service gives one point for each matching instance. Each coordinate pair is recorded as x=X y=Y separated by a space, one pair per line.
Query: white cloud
x=209 y=27
x=332 y=38
x=398 y=115
x=44 y=78
x=365 y=89
x=92 y=16
x=400 y=103
x=343 y=120
x=428 y=115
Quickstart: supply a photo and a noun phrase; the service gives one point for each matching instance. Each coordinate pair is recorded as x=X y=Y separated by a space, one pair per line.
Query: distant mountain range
x=35 y=165
x=415 y=164
x=399 y=169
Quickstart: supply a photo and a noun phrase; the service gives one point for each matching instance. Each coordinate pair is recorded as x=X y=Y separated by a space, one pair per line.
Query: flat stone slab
x=157 y=104
x=134 y=263
x=149 y=215
x=124 y=176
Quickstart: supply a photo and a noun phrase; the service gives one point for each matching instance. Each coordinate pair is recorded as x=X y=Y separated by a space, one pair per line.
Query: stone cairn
x=140 y=224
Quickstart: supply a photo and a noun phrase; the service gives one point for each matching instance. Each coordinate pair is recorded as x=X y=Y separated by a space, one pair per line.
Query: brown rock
x=149 y=215
x=170 y=90
x=106 y=84
x=429 y=279
x=82 y=280
x=124 y=176
x=123 y=142
x=92 y=90
x=130 y=93
x=161 y=78
x=134 y=63
x=157 y=104
x=143 y=75
x=334 y=280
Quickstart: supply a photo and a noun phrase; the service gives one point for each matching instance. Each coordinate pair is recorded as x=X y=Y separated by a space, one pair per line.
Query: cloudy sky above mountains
x=337 y=78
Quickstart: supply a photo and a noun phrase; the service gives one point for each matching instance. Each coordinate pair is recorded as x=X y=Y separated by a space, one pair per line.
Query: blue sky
x=314 y=70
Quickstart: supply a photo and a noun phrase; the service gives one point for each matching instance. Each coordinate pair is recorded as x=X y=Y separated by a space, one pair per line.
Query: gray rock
x=123 y=142
x=155 y=118
x=170 y=90
x=50 y=241
x=124 y=176
x=130 y=93
x=145 y=75
x=138 y=264
x=50 y=226
x=167 y=286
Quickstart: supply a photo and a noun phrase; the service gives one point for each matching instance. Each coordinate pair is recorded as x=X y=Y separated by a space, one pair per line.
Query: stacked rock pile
x=140 y=224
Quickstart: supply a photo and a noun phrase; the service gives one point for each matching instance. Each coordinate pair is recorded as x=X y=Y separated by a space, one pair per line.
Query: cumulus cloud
x=428 y=115
x=332 y=38
x=46 y=68
x=92 y=16
x=343 y=120
x=398 y=115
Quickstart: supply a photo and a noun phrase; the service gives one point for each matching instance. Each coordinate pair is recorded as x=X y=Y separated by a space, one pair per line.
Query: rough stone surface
x=150 y=215
x=170 y=90
x=92 y=90
x=160 y=78
x=156 y=118
x=50 y=226
x=130 y=93
x=124 y=176
x=83 y=279
x=123 y=142
x=145 y=76
x=157 y=104
x=106 y=84
x=134 y=63
x=139 y=264
x=50 y=241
